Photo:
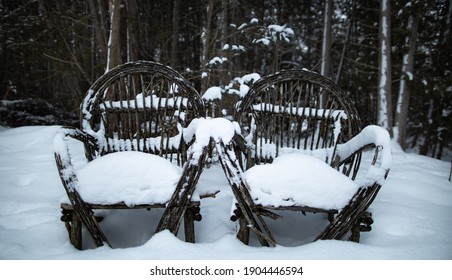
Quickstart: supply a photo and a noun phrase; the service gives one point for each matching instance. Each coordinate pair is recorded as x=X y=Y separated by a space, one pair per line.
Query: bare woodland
x=391 y=57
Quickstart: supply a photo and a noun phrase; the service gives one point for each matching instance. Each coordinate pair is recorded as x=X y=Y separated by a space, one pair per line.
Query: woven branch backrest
x=297 y=109
x=141 y=106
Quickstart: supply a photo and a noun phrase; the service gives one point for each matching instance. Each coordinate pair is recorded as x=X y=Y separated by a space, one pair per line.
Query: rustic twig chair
x=302 y=113
x=139 y=108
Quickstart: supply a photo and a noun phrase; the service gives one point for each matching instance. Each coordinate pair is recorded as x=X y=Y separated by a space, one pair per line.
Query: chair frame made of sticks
x=138 y=106
x=302 y=111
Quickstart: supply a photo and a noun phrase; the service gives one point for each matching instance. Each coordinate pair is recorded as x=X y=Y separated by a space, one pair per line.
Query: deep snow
x=412 y=215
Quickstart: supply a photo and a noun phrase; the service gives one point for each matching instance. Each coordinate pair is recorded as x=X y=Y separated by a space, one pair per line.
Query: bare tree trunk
x=384 y=117
x=206 y=45
x=446 y=27
x=101 y=37
x=72 y=68
x=114 y=55
x=344 y=48
x=427 y=130
x=325 y=66
x=223 y=36
x=407 y=74
x=175 y=34
x=133 y=40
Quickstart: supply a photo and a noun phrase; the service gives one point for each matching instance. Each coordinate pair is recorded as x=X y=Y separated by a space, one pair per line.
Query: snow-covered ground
x=412 y=213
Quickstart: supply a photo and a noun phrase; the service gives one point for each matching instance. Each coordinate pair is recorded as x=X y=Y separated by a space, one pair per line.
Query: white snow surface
x=279 y=33
x=217 y=128
x=299 y=180
x=411 y=213
x=244 y=84
x=206 y=129
x=153 y=101
x=212 y=93
x=129 y=177
x=217 y=60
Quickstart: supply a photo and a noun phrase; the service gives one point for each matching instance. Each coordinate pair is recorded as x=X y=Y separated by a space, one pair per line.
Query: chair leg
x=189 y=224
x=362 y=225
x=330 y=217
x=244 y=231
x=75 y=234
x=355 y=233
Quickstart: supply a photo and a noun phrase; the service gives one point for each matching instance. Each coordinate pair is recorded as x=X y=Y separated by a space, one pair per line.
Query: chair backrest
x=297 y=110
x=141 y=106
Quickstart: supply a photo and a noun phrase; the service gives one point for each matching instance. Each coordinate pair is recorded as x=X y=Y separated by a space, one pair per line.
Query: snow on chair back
x=140 y=106
x=297 y=109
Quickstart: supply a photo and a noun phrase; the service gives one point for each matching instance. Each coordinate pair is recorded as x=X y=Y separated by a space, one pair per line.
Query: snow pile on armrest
x=218 y=129
x=379 y=137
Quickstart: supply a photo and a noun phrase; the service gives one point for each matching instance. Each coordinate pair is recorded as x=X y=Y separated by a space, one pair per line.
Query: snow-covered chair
x=303 y=145
x=132 y=125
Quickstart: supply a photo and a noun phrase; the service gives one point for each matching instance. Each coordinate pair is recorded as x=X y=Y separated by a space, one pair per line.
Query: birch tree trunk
x=384 y=117
x=407 y=73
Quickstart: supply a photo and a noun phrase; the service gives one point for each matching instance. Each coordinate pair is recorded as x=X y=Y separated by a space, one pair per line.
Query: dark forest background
x=52 y=50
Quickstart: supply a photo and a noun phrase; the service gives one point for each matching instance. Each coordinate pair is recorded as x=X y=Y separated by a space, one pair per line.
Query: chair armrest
x=89 y=142
x=69 y=178
x=352 y=213
x=62 y=153
x=374 y=137
x=243 y=150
